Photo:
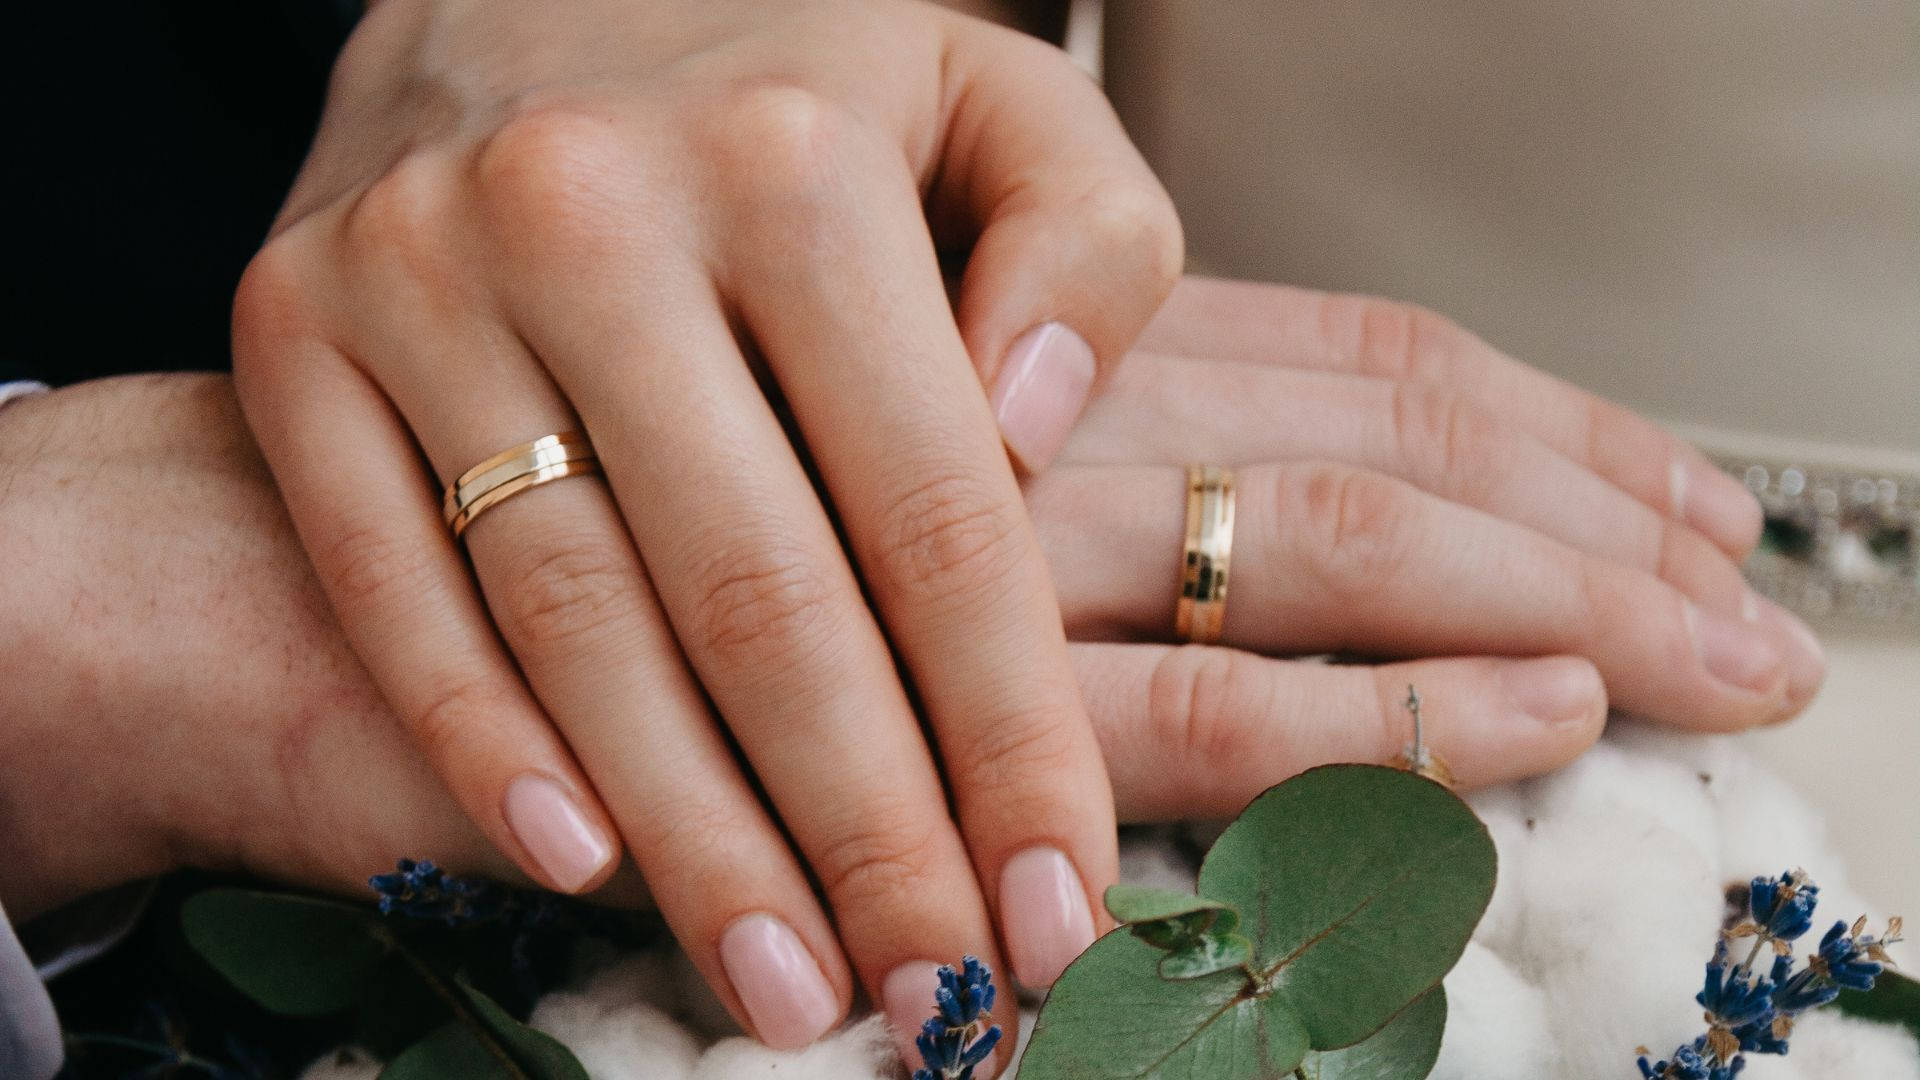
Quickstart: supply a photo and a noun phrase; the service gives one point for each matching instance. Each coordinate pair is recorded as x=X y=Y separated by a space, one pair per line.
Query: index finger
x=1260 y=323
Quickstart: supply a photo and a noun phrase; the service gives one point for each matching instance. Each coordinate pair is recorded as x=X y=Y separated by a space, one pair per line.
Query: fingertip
x=1563 y=693
x=1716 y=504
x=1040 y=390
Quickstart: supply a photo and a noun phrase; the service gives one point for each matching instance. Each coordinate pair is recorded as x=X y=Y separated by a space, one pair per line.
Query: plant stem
x=462 y=1011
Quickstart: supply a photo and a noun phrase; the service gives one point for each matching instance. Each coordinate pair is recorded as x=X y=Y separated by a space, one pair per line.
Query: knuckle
x=1358 y=522
x=554 y=168
x=1022 y=755
x=367 y=569
x=268 y=302
x=1441 y=436
x=765 y=605
x=948 y=538
x=1139 y=217
x=402 y=214
x=571 y=588
x=1390 y=339
x=444 y=724
x=1197 y=706
x=788 y=141
x=876 y=862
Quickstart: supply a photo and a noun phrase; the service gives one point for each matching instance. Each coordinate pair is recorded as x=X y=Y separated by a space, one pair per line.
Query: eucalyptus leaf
x=1110 y=1016
x=295 y=955
x=1359 y=886
x=1894 y=999
x=1143 y=904
x=451 y=1052
x=486 y=1044
x=1205 y=955
x=1406 y=1049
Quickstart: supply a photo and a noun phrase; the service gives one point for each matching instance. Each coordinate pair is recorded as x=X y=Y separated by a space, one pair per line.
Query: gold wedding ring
x=514 y=470
x=1209 y=548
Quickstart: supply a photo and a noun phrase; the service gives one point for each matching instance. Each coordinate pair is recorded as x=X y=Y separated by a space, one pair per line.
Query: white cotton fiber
x=1612 y=888
x=1497 y=1027
x=346 y=1063
x=1829 y=1046
x=618 y=1039
x=859 y=1052
x=1509 y=816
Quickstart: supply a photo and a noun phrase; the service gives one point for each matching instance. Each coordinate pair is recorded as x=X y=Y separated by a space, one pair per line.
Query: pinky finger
x=1197 y=732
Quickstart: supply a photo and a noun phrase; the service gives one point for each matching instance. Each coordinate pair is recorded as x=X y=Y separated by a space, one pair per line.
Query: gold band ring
x=1209 y=548
x=514 y=470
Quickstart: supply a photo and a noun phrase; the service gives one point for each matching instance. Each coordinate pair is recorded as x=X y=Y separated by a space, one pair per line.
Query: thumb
x=1074 y=242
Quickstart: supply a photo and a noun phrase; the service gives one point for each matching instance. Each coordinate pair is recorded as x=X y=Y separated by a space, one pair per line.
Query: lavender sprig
x=424 y=891
x=963 y=1033
x=1752 y=1013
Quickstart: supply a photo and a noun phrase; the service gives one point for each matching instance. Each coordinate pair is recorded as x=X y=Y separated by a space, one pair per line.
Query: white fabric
x=1612 y=875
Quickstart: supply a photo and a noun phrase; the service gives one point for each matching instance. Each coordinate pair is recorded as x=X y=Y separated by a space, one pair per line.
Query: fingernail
x=553 y=830
x=785 y=994
x=1716 y=504
x=1044 y=909
x=1554 y=689
x=907 y=998
x=1738 y=653
x=1041 y=388
x=1806 y=657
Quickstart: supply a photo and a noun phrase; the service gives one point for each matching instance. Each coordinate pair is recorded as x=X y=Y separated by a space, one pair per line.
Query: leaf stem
x=457 y=1003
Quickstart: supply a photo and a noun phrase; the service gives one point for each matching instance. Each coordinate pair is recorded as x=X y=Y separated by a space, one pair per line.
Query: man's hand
x=172 y=686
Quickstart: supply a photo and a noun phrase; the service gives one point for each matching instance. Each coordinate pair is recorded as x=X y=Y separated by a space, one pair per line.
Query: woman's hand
x=643 y=220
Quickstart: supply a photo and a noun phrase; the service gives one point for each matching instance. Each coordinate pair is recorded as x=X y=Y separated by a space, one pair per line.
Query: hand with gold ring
x=1403 y=490
x=672 y=228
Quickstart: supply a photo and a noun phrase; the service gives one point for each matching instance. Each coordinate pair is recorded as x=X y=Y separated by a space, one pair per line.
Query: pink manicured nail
x=787 y=997
x=1738 y=653
x=1043 y=907
x=554 y=831
x=1555 y=689
x=907 y=998
x=1041 y=388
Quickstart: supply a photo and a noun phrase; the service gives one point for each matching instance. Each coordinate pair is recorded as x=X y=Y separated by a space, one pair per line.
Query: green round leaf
x=1110 y=1016
x=1359 y=887
x=295 y=955
x=1141 y=904
x=1405 y=1049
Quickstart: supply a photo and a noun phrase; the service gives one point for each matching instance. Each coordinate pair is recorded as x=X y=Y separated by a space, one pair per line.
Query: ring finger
x=1331 y=558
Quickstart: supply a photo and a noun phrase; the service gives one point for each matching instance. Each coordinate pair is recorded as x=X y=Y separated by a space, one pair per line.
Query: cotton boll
x=346 y=1063
x=1609 y=782
x=1497 y=1025
x=1766 y=827
x=618 y=1039
x=1506 y=811
x=1829 y=1045
x=861 y=1052
x=1621 y=912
